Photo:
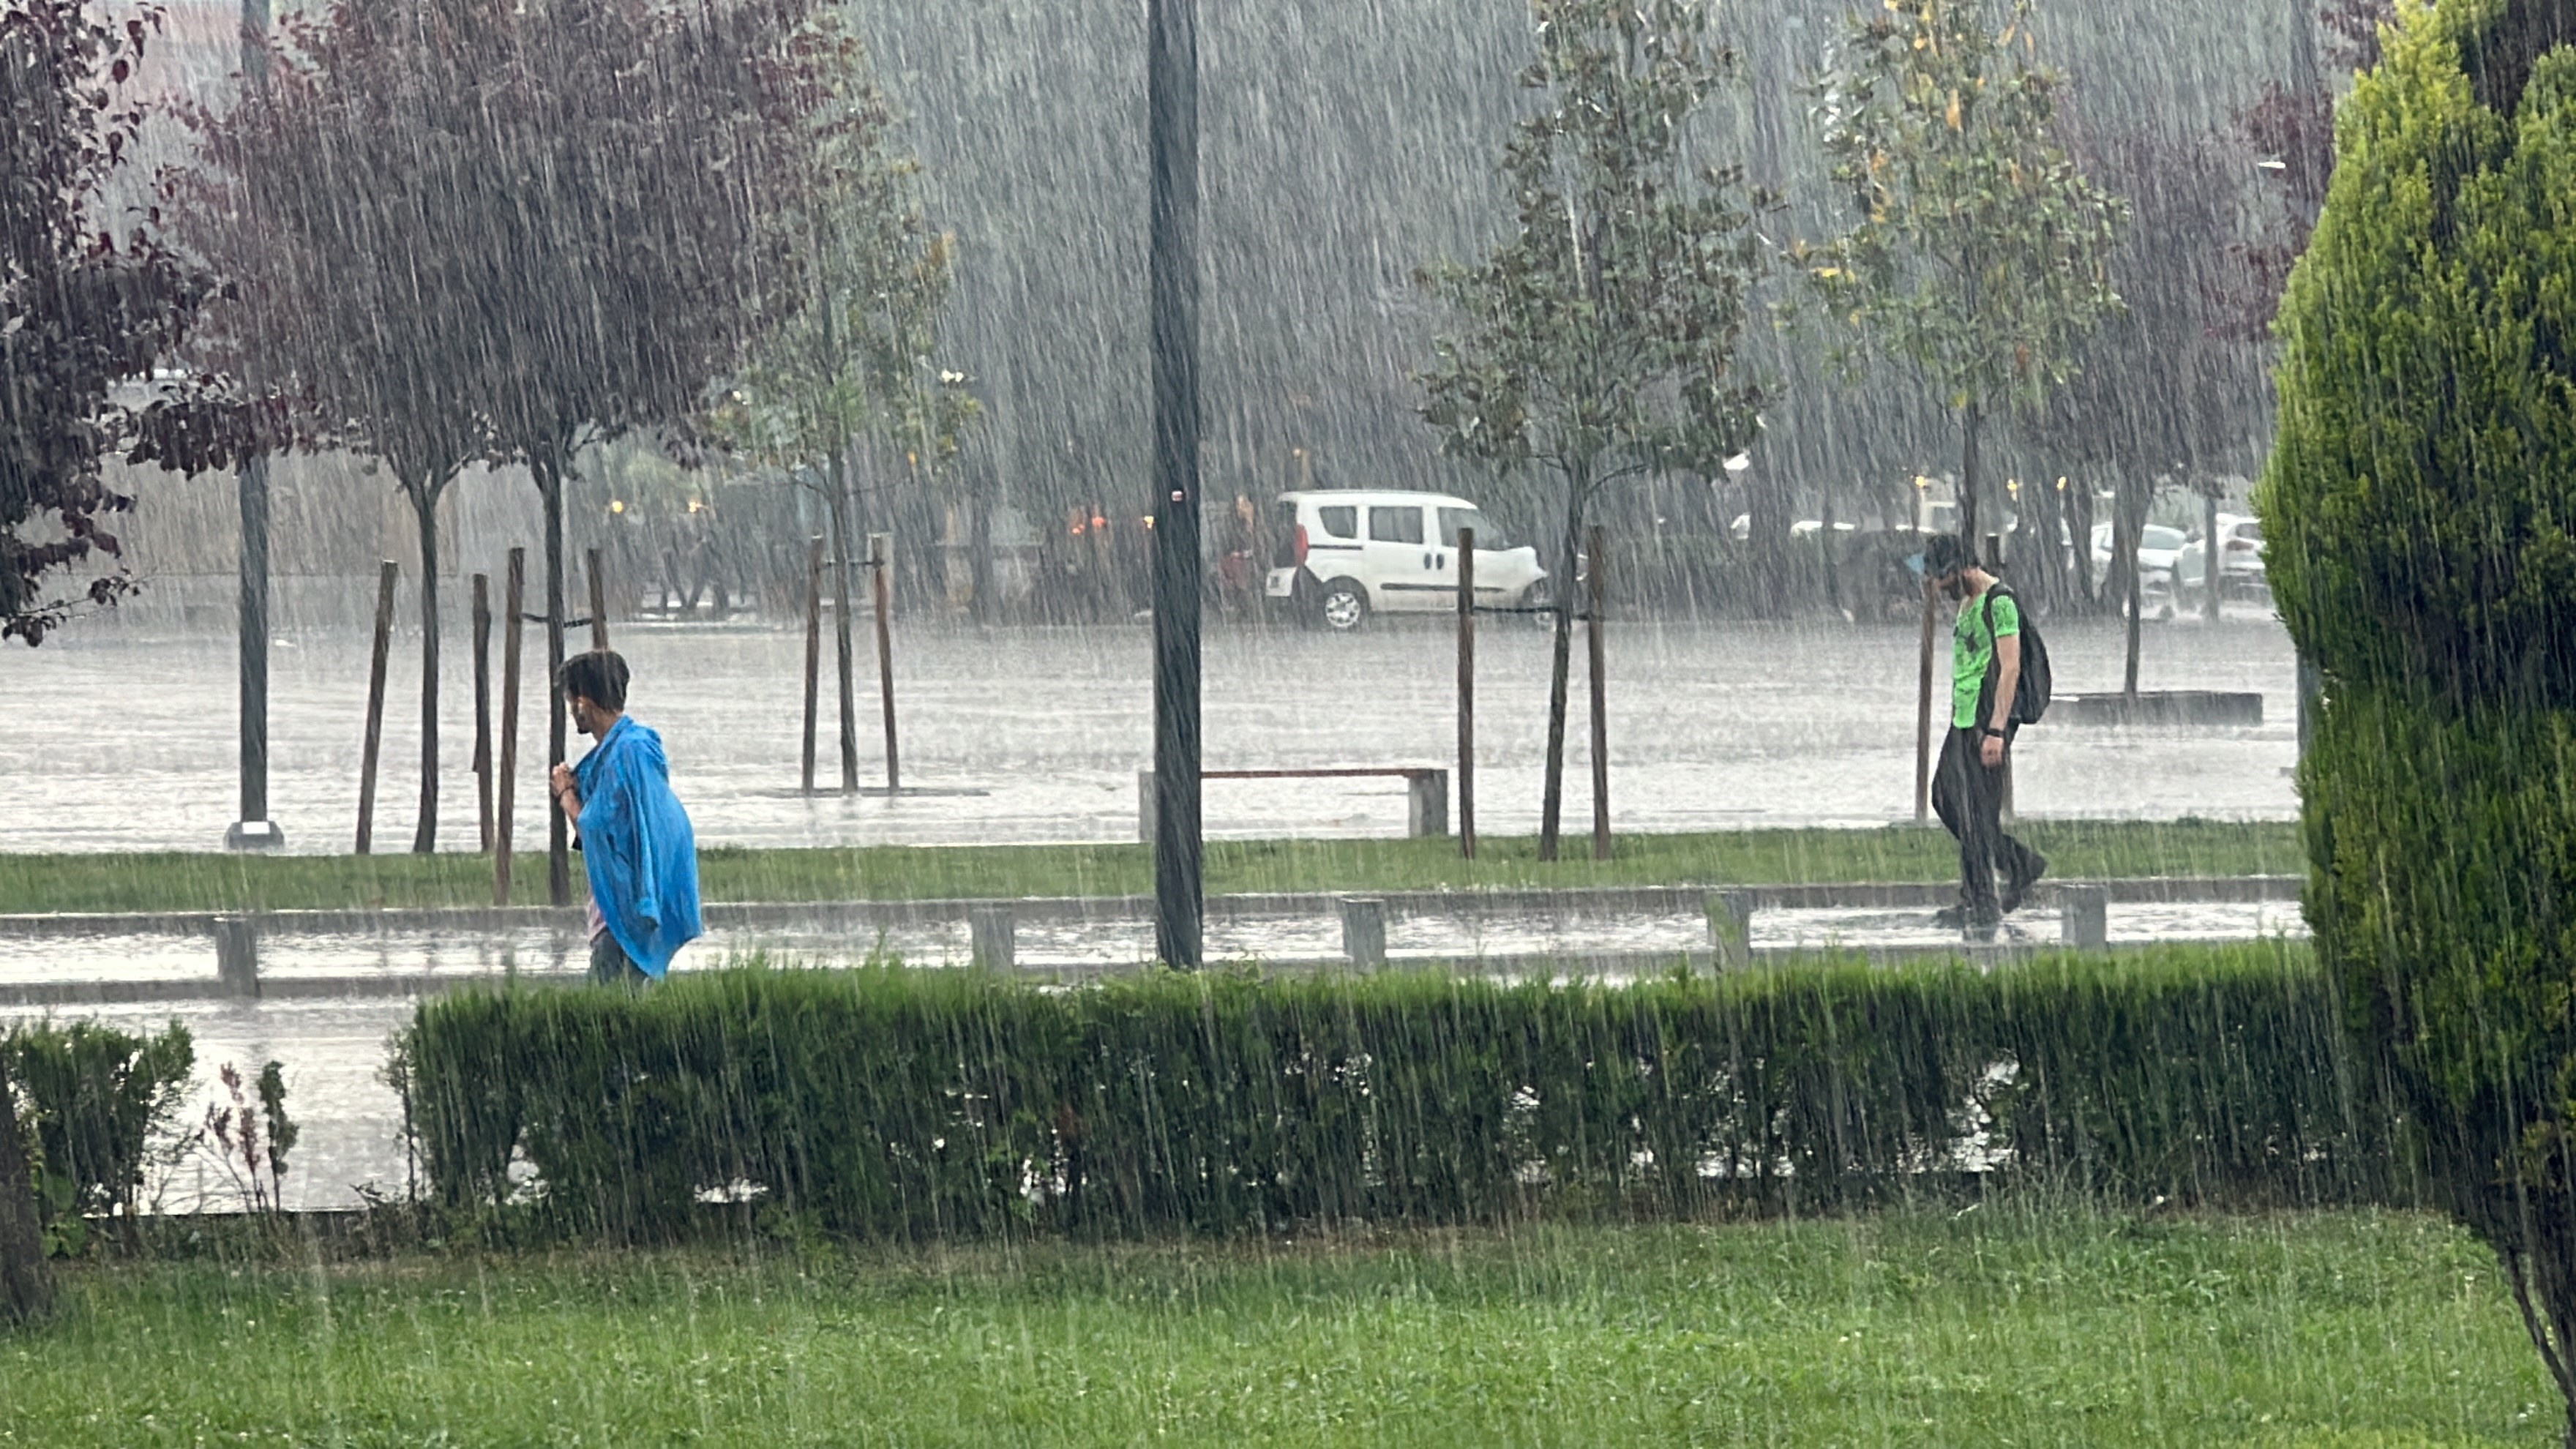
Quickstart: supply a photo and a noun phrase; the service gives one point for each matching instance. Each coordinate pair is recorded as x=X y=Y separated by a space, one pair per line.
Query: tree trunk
x=1832 y=551
x=549 y=467
x=2209 y=554
x=424 y=506
x=841 y=618
x=2128 y=520
x=26 y=1284
x=979 y=542
x=1970 y=422
x=2079 y=526
x=1552 y=806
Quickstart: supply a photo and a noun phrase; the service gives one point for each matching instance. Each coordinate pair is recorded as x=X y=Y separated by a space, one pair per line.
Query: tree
x=2164 y=388
x=1980 y=253
x=1600 y=340
x=333 y=220
x=622 y=171
x=86 y=301
x=592 y=197
x=2421 y=549
x=851 y=356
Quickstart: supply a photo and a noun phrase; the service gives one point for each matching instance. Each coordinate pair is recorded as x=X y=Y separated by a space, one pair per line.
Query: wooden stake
x=1467 y=693
x=483 y=704
x=881 y=567
x=1600 y=696
x=376 y=703
x=514 y=603
x=598 y=606
x=813 y=650
x=1923 y=712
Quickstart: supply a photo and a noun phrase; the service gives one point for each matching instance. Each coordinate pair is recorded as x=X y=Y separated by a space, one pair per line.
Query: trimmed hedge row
x=920 y=1103
x=90 y=1098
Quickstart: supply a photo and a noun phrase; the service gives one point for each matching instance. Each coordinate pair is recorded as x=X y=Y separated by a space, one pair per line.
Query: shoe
x=1960 y=918
x=2019 y=886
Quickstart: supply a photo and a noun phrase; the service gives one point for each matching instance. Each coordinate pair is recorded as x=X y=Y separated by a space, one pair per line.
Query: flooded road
x=1036 y=734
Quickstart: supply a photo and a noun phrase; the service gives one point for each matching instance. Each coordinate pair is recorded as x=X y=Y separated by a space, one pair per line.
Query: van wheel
x=1343 y=607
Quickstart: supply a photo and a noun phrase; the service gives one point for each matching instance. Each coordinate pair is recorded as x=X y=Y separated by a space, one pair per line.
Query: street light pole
x=1171 y=107
x=254 y=830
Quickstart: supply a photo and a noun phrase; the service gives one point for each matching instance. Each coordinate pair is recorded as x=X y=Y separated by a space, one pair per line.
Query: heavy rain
x=1554 y=721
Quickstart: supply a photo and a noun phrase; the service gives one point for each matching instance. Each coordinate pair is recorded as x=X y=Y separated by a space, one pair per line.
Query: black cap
x=1947 y=554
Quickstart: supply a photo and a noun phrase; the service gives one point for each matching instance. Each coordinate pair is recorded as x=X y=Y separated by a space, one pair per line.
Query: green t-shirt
x=1972 y=652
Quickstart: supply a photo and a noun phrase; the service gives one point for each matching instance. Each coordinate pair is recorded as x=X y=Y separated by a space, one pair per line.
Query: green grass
x=2341 y=1330
x=145 y=882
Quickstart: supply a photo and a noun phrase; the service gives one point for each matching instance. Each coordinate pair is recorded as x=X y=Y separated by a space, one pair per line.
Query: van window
x=1339 y=522
x=1396 y=525
x=1489 y=535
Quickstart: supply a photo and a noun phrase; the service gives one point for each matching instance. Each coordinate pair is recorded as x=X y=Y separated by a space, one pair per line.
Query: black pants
x=609 y=965
x=1969 y=798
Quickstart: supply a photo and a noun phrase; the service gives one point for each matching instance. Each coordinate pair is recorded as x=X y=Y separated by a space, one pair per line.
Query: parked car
x=1346 y=554
x=2241 y=571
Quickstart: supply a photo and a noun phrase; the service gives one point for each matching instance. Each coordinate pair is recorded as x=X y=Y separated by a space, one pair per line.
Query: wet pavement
x=1036 y=734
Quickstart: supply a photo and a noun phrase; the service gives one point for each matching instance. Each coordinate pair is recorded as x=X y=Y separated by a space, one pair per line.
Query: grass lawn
x=1994 y=1327
x=146 y=882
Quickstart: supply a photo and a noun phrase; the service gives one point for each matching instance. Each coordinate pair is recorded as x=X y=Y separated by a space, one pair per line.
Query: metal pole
x=1171 y=106
x=558 y=722
x=253 y=830
x=881 y=571
x=514 y=603
x=813 y=650
x=1467 y=693
x=376 y=703
x=1600 y=696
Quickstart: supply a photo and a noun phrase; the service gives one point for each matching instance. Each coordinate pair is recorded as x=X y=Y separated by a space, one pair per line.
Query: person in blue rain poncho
x=634 y=839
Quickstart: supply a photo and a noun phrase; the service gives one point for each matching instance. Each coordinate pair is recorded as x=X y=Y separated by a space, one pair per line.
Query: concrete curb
x=870 y=915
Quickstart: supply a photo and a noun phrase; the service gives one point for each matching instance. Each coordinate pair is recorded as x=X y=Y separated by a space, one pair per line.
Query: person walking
x=1967 y=788
x=636 y=843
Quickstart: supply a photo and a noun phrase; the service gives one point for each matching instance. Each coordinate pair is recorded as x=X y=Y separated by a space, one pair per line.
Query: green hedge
x=901 y=1103
x=91 y=1097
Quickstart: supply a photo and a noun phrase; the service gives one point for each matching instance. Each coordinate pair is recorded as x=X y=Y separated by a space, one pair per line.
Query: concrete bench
x=1426 y=793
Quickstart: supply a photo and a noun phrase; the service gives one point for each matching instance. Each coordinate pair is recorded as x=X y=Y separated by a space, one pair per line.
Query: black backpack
x=2030 y=691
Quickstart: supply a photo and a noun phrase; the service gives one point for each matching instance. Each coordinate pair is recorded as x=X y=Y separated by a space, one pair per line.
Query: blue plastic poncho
x=637 y=846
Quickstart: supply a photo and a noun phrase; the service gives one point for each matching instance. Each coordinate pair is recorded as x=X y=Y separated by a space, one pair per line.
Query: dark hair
x=1946 y=554
x=598 y=676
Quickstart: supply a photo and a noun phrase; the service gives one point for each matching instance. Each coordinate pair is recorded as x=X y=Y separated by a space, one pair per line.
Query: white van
x=1348 y=553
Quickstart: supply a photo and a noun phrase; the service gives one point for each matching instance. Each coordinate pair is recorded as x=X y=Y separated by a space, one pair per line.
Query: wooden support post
x=598 y=606
x=992 y=933
x=1730 y=928
x=1364 y=931
x=483 y=704
x=1600 y=696
x=376 y=704
x=813 y=651
x=514 y=604
x=881 y=568
x=1467 y=693
x=1923 y=711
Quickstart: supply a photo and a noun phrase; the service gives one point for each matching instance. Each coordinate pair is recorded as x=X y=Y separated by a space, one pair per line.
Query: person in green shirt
x=1967 y=789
